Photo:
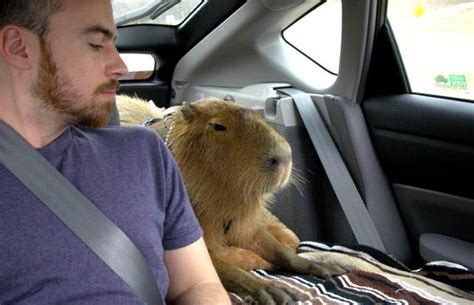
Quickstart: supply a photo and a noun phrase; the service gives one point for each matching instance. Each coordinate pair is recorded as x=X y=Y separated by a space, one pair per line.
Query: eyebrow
x=98 y=29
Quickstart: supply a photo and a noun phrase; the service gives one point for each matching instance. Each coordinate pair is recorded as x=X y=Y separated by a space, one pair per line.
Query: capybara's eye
x=217 y=127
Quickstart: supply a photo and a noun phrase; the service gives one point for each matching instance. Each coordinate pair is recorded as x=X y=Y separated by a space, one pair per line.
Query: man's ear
x=15 y=46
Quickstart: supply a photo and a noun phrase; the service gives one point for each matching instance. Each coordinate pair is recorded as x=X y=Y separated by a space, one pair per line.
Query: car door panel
x=426 y=147
x=425 y=141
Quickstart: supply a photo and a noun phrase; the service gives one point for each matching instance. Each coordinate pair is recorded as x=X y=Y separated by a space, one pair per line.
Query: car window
x=162 y=12
x=140 y=66
x=318 y=35
x=436 y=43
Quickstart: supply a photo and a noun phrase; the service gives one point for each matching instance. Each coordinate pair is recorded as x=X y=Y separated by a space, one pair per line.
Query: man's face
x=79 y=63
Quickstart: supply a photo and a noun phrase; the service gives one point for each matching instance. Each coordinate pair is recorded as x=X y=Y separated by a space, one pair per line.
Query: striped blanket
x=375 y=278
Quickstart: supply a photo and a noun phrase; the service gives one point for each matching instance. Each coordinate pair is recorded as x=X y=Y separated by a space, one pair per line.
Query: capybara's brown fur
x=232 y=162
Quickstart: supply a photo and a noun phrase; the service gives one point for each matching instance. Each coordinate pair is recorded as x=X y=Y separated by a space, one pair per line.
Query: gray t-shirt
x=130 y=175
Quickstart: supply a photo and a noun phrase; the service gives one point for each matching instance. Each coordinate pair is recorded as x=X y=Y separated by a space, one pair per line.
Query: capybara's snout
x=280 y=157
x=278 y=161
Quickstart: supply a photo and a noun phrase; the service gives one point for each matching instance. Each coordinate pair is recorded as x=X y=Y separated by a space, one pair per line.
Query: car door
x=419 y=108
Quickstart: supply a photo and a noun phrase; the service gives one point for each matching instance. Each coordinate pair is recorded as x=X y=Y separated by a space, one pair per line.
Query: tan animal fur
x=232 y=162
x=133 y=113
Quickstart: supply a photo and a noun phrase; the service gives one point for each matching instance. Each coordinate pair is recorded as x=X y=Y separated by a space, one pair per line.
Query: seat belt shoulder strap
x=341 y=181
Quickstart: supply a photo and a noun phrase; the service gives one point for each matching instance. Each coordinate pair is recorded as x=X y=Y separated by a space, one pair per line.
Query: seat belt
x=341 y=180
x=82 y=217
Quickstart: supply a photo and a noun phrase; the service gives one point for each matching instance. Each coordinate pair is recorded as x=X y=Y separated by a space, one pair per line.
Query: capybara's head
x=227 y=154
x=231 y=146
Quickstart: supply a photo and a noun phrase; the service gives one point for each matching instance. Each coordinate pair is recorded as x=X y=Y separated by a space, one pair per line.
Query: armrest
x=440 y=247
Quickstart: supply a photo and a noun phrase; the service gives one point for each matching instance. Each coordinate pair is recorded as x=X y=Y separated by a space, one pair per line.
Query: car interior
x=410 y=154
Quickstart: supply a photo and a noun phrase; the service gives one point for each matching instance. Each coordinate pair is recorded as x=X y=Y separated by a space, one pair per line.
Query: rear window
x=162 y=12
x=318 y=35
x=140 y=66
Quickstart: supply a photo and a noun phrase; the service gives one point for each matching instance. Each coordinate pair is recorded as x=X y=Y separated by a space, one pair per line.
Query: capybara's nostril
x=275 y=161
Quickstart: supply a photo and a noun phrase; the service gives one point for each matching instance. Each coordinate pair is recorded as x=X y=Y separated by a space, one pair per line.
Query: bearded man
x=58 y=78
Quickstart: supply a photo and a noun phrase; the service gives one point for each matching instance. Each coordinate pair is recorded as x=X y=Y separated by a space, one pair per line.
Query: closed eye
x=217 y=127
x=95 y=47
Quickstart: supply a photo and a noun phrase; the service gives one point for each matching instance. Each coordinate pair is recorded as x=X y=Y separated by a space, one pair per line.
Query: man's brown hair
x=30 y=14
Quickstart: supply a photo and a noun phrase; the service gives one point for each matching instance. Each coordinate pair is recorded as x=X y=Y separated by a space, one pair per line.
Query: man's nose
x=117 y=67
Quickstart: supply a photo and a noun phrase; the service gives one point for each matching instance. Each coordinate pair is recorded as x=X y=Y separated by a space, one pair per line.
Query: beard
x=58 y=94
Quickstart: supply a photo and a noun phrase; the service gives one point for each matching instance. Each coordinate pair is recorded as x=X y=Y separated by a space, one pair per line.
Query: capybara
x=232 y=162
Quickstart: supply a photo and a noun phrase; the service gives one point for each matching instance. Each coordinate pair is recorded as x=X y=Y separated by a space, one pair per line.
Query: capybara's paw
x=326 y=271
x=270 y=295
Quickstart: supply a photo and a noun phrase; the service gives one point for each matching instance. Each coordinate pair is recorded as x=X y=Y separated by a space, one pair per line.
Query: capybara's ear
x=189 y=111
